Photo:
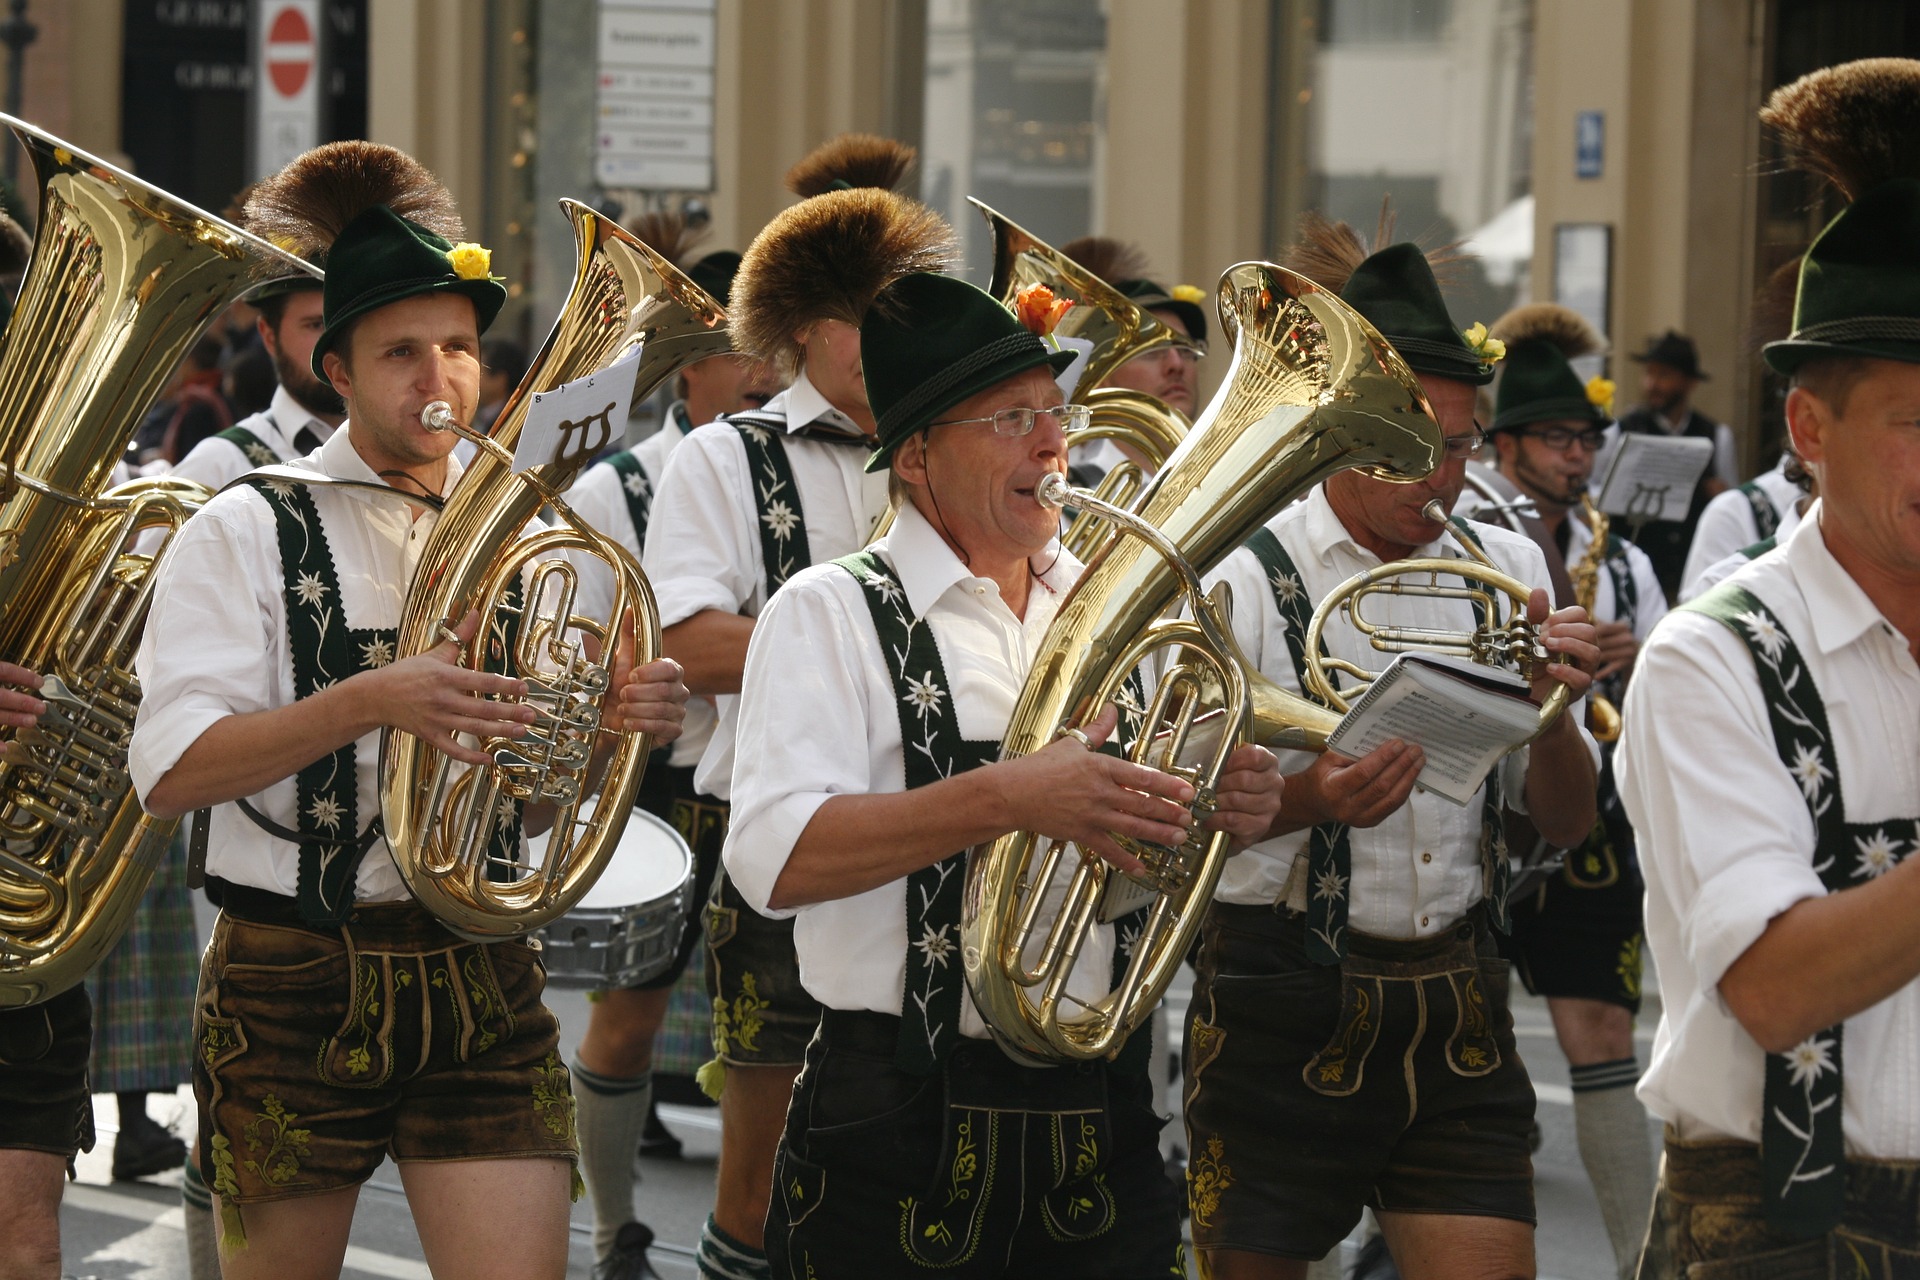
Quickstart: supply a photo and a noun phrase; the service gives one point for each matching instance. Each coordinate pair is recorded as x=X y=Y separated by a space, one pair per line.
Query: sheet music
x=1069 y=378
x=577 y=418
x=1463 y=728
x=1653 y=477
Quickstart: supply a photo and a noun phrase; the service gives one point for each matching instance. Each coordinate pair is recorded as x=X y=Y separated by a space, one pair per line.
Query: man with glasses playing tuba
x=339 y=1022
x=1350 y=1042
x=912 y=1141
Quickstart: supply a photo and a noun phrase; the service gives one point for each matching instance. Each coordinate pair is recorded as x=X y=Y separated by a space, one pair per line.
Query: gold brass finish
x=122 y=280
x=1313 y=389
x=1603 y=718
x=439 y=814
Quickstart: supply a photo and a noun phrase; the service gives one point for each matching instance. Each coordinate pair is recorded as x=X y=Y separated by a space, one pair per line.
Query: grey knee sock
x=1612 y=1128
x=721 y=1257
x=612 y=1114
x=196 y=1205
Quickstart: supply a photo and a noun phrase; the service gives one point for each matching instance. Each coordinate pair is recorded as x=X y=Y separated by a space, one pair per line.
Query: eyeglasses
x=1558 y=438
x=1462 y=448
x=1019 y=422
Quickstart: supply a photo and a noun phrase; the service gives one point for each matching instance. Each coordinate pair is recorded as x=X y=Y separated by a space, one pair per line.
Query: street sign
x=654 y=123
x=1589 y=144
x=286 y=82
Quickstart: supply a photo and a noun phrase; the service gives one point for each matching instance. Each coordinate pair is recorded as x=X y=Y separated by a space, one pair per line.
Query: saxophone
x=123 y=279
x=1603 y=718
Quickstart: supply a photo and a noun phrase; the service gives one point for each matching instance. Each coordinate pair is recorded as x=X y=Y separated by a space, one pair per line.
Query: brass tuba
x=1119 y=331
x=123 y=278
x=1313 y=389
x=631 y=309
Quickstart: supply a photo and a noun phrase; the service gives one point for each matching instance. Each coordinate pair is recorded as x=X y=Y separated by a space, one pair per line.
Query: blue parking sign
x=1589 y=144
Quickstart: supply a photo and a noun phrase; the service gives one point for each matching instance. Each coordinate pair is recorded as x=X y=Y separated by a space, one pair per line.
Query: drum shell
x=627 y=928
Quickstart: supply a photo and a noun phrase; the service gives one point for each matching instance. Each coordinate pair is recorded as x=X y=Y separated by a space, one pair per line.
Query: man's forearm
x=1560 y=785
x=711 y=648
x=243 y=755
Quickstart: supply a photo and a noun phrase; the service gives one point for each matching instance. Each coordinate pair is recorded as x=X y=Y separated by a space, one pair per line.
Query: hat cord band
x=1861 y=329
x=929 y=392
x=1427 y=347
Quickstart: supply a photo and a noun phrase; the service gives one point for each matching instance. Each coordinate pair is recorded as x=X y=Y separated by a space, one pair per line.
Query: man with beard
x=1669 y=376
x=1577 y=933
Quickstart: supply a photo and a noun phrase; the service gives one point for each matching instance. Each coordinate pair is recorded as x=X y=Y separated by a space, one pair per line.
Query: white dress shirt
x=216 y=645
x=216 y=462
x=1726 y=842
x=830 y=726
x=1727 y=528
x=1418 y=872
x=599 y=498
x=703 y=544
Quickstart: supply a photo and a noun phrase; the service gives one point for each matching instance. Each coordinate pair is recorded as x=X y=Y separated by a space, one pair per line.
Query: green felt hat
x=382 y=258
x=1149 y=296
x=930 y=342
x=1859 y=289
x=1537 y=384
x=715 y=274
x=1395 y=290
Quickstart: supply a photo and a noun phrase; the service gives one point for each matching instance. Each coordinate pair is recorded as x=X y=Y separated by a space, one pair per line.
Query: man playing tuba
x=912 y=1140
x=1350 y=1042
x=337 y=1020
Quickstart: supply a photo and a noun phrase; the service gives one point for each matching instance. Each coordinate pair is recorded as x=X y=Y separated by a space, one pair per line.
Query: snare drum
x=627 y=927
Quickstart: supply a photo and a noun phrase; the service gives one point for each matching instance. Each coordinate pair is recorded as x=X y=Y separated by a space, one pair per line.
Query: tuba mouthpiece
x=438 y=416
x=1053 y=491
x=1432 y=511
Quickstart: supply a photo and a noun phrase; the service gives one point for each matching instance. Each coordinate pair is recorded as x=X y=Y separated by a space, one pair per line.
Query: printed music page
x=585 y=415
x=1652 y=477
x=1463 y=715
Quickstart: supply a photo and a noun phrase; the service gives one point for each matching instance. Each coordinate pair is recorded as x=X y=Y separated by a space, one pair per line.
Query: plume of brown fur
x=1857 y=124
x=304 y=207
x=665 y=231
x=1110 y=259
x=1328 y=252
x=826 y=259
x=1771 y=318
x=1547 y=322
x=857 y=159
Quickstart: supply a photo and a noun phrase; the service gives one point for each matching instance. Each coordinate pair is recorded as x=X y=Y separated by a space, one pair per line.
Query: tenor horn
x=633 y=316
x=1312 y=389
x=123 y=279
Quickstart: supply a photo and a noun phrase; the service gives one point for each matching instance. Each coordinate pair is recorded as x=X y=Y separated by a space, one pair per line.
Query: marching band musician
x=46 y=1109
x=1771 y=763
x=912 y=1141
x=1170 y=374
x=1350 y=1041
x=1577 y=937
x=614 y=1066
x=338 y=1021
x=745 y=504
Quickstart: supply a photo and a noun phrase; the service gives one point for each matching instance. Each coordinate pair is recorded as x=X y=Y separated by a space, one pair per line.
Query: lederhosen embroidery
x=258 y=451
x=1802 y=1143
x=1329 y=844
x=1766 y=519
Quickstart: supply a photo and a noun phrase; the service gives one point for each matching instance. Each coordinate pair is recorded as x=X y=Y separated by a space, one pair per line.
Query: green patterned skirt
x=143 y=991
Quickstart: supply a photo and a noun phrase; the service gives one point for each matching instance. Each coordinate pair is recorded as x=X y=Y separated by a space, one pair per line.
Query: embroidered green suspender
x=1802 y=1145
x=784 y=550
x=1329 y=845
x=637 y=490
x=258 y=451
x=1766 y=520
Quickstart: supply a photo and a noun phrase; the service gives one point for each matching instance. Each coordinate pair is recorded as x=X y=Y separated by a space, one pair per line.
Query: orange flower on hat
x=1037 y=309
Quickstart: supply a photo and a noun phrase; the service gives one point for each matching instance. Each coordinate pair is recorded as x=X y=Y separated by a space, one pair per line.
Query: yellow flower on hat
x=1188 y=293
x=1600 y=394
x=1489 y=350
x=470 y=261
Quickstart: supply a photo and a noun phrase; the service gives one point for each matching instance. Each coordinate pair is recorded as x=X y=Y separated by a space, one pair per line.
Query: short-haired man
x=1771 y=764
x=1577 y=933
x=1350 y=1042
x=912 y=1141
x=338 y=1021
x=1670 y=373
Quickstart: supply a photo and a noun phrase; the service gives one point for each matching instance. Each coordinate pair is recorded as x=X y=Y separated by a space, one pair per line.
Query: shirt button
x=1426 y=857
x=1423 y=922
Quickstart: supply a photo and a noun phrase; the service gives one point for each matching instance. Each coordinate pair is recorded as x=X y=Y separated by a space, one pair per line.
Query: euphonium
x=1119 y=330
x=440 y=816
x=123 y=278
x=1312 y=389
x=1603 y=718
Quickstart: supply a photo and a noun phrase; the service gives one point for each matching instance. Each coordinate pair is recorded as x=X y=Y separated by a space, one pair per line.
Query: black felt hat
x=1674 y=350
x=715 y=274
x=930 y=342
x=383 y=258
x=1397 y=293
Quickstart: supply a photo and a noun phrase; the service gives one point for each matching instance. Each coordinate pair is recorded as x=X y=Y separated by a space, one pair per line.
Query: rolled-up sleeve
x=1724 y=834
x=702 y=550
x=212 y=643
x=811 y=724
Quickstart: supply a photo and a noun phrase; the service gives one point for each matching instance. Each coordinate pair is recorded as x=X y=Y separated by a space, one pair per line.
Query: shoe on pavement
x=1373 y=1261
x=657 y=1142
x=143 y=1150
x=628 y=1260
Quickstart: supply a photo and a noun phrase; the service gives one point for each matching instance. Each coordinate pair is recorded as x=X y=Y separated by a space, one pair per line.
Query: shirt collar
x=339 y=459
x=1325 y=533
x=289 y=415
x=1840 y=610
x=928 y=568
x=802 y=404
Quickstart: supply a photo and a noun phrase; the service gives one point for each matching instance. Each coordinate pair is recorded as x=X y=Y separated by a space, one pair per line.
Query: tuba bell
x=1312 y=389
x=631 y=316
x=123 y=279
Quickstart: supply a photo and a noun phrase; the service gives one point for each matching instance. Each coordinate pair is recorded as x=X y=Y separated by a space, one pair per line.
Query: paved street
x=132 y=1231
